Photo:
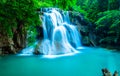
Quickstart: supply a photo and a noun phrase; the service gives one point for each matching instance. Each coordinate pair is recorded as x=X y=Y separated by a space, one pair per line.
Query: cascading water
x=60 y=37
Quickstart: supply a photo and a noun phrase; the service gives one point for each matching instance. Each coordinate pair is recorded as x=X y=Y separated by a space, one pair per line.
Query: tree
x=17 y=14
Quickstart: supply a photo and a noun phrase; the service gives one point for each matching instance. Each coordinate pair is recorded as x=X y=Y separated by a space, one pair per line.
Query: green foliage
x=63 y=4
x=114 y=4
x=109 y=22
x=93 y=7
x=108 y=18
x=15 y=12
x=105 y=14
x=79 y=9
x=31 y=35
x=45 y=4
x=90 y=8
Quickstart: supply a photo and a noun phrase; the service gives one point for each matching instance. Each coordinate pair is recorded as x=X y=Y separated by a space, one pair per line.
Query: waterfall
x=60 y=36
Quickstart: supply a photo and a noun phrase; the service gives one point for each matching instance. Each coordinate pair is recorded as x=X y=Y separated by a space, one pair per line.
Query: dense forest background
x=17 y=16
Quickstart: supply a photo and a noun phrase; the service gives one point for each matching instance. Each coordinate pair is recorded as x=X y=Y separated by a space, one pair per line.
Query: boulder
x=115 y=73
x=36 y=52
x=106 y=72
x=37 y=49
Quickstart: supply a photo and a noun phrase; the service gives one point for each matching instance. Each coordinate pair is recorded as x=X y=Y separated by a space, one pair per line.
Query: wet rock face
x=19 y=40
x=79 y=20
x=85 y=41
x=6 y=45
x=10 y=45
x=84 y=27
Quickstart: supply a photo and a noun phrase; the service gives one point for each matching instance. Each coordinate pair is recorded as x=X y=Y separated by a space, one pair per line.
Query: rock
x=85 y=41
x=37 y=48
x=11 y=45
x=10 y=41
x=36 y=52
x=7 y=45
x=5 y=50
x=83 y=27
x=23 y=40
x=3 y=41
x=12 y=49
x=0 y=51
x=19 y=39
x=82 y=24
x=92 y=38
x=77 y=18
x=106 y=72
x=84 y=30
x=8 y=50
x=115 y=73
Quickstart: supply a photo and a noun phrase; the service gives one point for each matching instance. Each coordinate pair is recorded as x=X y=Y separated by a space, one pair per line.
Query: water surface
x=87 y=63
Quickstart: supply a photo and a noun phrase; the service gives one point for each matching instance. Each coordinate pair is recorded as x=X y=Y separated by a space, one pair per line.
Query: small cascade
x=60 y=36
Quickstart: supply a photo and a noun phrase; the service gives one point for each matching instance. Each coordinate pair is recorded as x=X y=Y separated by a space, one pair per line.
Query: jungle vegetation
x=103 y=14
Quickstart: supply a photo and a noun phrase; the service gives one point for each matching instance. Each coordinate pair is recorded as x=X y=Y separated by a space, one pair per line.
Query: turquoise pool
x=88 y=62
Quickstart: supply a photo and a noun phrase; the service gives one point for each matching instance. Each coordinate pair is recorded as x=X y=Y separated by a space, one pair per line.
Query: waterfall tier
x=60 y=36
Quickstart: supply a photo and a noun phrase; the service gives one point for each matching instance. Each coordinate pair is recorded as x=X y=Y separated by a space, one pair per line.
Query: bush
x=108 y=24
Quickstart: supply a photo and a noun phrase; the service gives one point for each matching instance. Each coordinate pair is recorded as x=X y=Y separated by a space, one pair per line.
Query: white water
x=60 y=37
